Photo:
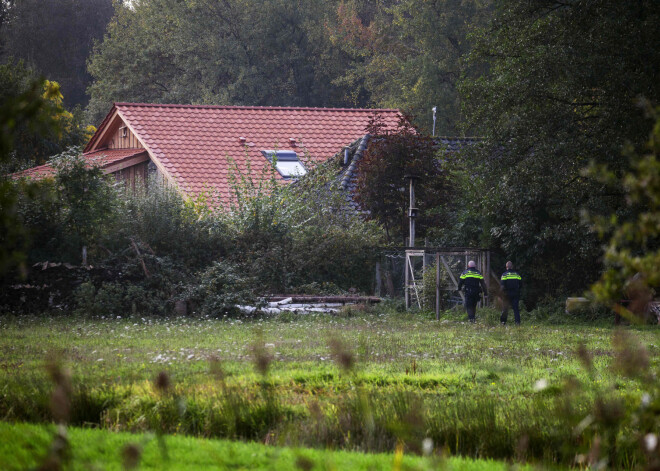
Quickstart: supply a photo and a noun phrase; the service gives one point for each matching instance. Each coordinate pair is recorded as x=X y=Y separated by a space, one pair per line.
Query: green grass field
x=365 y=382
x=24 y=446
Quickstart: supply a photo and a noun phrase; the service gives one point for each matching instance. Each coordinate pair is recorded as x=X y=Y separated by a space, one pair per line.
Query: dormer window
x=286 y=162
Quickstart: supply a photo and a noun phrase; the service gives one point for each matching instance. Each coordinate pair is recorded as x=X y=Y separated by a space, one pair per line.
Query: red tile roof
x=192 y=143
x=102 y=158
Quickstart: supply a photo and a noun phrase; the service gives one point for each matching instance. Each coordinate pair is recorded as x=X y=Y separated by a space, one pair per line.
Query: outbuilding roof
x=105 y=158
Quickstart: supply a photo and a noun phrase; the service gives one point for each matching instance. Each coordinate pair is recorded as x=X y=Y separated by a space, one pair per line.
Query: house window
x=286 y=162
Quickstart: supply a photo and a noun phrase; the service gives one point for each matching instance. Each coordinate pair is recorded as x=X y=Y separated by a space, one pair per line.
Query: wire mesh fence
x=422 y=274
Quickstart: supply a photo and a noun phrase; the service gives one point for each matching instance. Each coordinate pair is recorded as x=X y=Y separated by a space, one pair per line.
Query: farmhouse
x=197 y=148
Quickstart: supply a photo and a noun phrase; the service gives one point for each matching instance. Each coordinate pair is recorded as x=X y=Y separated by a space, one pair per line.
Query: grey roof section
x=455 y=144
x=349 y=174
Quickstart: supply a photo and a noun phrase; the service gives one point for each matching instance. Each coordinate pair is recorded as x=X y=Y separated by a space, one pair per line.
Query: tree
x=560 y=91
x=31 y=146
x=55 y=39
x=382 y=187
x=226 y=52
x=408 y=54
x=29 y=109
x=632 y=255
x=87 y=201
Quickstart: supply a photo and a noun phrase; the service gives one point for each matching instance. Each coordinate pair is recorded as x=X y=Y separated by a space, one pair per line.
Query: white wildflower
x=427 y=446
x=646 y=399
x=540 y=385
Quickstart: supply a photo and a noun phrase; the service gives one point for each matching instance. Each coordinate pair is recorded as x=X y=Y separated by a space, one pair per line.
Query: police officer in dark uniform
x=473 y=281
x=511 y=284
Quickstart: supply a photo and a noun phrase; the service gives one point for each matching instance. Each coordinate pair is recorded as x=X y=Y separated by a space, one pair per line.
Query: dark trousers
x=471 y=307
x=510 y=301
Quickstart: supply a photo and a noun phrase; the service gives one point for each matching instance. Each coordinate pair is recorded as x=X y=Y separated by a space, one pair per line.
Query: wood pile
x=306 y=304
x=48 y=285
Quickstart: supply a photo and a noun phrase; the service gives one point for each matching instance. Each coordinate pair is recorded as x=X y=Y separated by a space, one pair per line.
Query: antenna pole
x=411 y=214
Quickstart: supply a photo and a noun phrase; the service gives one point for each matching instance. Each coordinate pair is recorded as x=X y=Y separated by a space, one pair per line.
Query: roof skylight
x=286 y=162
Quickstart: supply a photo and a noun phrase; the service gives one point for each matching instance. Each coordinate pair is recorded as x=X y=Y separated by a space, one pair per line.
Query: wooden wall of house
x=123 y=138
x=134 y=176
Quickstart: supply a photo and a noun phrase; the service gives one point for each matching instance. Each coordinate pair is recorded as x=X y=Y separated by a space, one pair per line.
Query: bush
x=219 y=288
x=428 y=289
x=300 y=234
x=151 y=248
x=162 y=222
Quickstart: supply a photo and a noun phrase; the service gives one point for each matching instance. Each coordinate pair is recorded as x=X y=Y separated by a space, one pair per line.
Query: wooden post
x=482 y=265
x=452 y=277
x=437 y=286
x=410 y=217
x=488 y=274
x=480 y=304
x=405 y=274
x=84 y=255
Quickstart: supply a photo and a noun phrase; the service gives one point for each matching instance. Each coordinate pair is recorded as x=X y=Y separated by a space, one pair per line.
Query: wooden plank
x=165 y=174
x=305 y=299
x=106 y=133
x=437 y=286
x=138 y=159
x=115 y=138
x=412 y=278
x=451 y=275
x=406 y=280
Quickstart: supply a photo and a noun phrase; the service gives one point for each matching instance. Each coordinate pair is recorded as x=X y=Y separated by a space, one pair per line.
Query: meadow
x=368 y=381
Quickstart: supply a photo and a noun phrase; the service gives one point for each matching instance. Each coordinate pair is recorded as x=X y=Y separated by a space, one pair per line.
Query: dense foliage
x=633 y=253
x=302 y=233
x=55 y=39
x=151 y=248
x=409 y=54
x=384 y=172
x=560 y=91
x=27 y=111
x=32 y=145
x=306 y=53
x=271 y=52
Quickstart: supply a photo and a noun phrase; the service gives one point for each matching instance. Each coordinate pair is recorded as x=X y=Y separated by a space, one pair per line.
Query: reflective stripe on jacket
x=473 y=281
x=511 y=282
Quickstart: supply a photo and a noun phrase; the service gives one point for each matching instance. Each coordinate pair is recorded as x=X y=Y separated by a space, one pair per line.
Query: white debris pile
x=287 y=305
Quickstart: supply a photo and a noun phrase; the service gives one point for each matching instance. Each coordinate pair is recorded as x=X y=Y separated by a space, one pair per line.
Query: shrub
x=219 y=288
x=162 y=222
x=151 y=248
x=428 y=289
x=300 y=234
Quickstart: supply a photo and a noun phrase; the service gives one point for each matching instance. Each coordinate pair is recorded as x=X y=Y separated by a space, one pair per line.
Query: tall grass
x=602 y=413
